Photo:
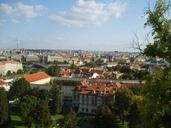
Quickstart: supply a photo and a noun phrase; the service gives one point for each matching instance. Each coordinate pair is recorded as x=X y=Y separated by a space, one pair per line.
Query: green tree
x=70 y=120
x=161 y=26
x=53 y=70
x=105 y=118
x=122 y=103
x=3 y=107
x=156 y=110
x=8 y=73
x=91 y=64
x=157 y=91
x=19 y=71
x=27 y=106
x=56 y=97
x=73 y=66
x=42 y=117
x=19 y=88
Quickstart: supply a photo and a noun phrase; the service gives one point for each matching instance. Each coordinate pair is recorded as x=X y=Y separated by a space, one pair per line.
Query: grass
x=15 y=118
x=17 y=121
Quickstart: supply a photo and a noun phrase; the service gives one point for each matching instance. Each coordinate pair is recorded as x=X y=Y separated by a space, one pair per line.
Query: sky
x=105 y=25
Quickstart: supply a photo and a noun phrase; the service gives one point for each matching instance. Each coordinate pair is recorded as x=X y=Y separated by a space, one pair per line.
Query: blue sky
x=72 y=24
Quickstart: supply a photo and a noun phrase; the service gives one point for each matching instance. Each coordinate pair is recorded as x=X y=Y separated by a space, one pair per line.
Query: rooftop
x=36 y=76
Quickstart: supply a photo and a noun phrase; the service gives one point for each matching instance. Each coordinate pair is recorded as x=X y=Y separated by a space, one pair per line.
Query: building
x=89 y=96
x=4 y=85
x=12 y=66
x=56 y=58
x=40 y=80
x=32 y=58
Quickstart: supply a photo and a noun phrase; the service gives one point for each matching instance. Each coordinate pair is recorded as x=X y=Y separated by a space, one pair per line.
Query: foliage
x=66 y=109
x=27 y=105
x=91 y=64
x=71 y=120
x=3 y=107
x=105 y=118
x=42 y=117
x=161 y=26
x=156 y=110
x=53 y=70
x=19 y=71
x=9 y=73
x=73 y=66
x=19 y=88
x=123 y=102
x=56 y=97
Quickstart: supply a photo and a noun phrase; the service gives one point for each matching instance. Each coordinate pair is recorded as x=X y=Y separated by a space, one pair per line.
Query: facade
x=12 y=66
x=40 y=80
x=55 y=58
x=4 y=85
x=89 y=96
x=32 y=58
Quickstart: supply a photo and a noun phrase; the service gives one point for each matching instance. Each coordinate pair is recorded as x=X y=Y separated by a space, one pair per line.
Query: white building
x=12 y=66
x=39 y=80
x=4 y=85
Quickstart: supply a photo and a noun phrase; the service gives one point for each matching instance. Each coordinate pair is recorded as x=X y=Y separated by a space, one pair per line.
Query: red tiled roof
x=6 y=62
x=84 y=92
x=36 y=76
x=2 y=82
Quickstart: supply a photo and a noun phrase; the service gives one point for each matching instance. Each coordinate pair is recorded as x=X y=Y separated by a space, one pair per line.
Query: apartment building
x=89 y=96
x=12 y=66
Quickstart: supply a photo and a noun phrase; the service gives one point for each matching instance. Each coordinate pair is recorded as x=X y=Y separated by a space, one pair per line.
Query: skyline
x=79 y=24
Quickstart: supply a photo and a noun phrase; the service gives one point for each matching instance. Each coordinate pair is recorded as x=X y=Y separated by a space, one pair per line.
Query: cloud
x=6 y=9
x=29 y=11
x=86 y=12
x=23 y=10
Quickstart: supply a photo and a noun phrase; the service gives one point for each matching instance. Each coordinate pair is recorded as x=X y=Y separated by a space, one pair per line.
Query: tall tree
x=53 y=70
x=71 y=120
x=122 y=103
x=157 y=91
x=27 y=106
x=156 y=110
x=56 y=97
x=19 y=88
x=42 y=117
x=158 y=20
x=105 y=118
x=3 y=107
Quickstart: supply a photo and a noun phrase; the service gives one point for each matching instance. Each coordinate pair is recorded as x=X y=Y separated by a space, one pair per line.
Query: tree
x=122 y=103
x=73 y=66
x=105 y=118
x=8 y=73
x=19 y=71
x=91 y=64
x=71 y=120
x=161 y=26
x=19 y=88
x=27 y=106
x=56 y=97
x=3 y=107
x=157 y=91
x=53 y=70
x=42 y=117
x=156 y=110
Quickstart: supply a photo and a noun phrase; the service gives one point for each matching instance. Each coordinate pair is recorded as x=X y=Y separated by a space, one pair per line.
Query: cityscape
x=85 y=64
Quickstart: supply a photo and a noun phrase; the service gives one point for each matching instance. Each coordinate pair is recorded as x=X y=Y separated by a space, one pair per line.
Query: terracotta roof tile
x=36 y=76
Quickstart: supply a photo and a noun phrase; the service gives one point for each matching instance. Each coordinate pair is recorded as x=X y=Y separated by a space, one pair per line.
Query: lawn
x=17 y=122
